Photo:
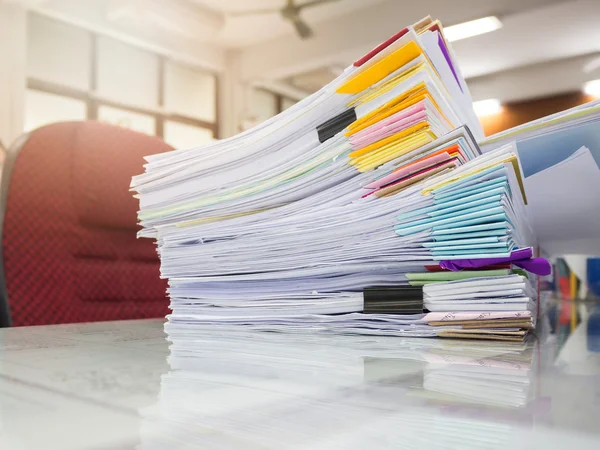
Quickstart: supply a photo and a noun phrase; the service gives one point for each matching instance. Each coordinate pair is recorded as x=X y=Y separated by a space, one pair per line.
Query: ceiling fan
x=290 y=12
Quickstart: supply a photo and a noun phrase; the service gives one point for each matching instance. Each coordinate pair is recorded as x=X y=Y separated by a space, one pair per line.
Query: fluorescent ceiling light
x=592 y=88
x=487 y=107
x=472 y=28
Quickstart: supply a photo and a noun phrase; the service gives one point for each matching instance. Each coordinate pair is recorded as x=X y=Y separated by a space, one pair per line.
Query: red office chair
x=68 y=226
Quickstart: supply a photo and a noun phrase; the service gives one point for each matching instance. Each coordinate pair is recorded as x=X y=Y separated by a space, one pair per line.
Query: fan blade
x=302 y=28
x=254 y=12
x=313 y=3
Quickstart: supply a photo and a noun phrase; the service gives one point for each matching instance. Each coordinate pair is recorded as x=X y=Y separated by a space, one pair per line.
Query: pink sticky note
x=390 y=125
x=407 y=170
x=468 y=315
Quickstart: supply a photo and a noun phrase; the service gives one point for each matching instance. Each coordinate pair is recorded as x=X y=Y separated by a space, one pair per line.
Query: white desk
x=118 y=386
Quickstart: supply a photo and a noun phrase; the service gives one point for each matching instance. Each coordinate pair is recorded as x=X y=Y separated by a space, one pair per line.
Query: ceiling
x=539 y=40
x=249 y=30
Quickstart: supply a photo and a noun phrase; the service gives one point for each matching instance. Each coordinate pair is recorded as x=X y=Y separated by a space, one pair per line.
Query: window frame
x=279 y=98
x=94 y=102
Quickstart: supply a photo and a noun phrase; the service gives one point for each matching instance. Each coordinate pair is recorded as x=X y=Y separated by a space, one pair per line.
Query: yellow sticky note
x=394 y=150
x=381 y=69
x=409 y=98
x=390 y=139
x=383 y=88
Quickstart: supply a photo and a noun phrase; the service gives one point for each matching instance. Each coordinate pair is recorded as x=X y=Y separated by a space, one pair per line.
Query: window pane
x=126 y=74
x=264 y=105
x=189 y=92
x=42 y=108
x=182 y=135
x=127 y=119
x=286 y=103
x=58 y=53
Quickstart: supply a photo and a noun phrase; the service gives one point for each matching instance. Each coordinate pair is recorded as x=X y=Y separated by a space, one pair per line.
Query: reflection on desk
x=78 y=386
x=236 y=389
x=118 y=386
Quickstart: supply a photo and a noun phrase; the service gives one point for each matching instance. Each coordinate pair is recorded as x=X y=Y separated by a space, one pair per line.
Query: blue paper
x=482 y=240
x=480 y=216
x=540 y=152
x=471 y=190
x=455 y=205
x=487 y=233
x=469 y=229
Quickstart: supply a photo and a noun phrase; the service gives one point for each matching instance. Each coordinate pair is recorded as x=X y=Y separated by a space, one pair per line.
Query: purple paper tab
x=442 y=45
x=522 y=258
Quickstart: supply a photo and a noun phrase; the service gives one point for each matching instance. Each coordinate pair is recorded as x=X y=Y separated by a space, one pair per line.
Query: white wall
x=13 y=35
x=534 y=81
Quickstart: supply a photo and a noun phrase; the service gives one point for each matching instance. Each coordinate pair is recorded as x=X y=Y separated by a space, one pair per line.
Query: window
x=42 y=109
x=286 y=103
x=144 y=123
x=190 y=93
x=74 y=74
x=181 y=135
x=266 y=104
x=58 y=53
x=126 y=74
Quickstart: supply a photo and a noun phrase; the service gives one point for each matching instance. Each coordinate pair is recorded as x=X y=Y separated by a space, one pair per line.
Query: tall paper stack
x=313 y=219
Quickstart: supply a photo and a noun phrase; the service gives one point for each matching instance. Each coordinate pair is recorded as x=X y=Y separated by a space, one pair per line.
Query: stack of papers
x=401 y=96
x=503 y=381
x=299 y=223
x=511 y=292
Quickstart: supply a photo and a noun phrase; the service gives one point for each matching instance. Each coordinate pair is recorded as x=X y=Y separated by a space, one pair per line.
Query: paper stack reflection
x=239 y=389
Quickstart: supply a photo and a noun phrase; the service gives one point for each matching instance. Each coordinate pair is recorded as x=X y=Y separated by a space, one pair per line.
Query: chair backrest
x=68 y=228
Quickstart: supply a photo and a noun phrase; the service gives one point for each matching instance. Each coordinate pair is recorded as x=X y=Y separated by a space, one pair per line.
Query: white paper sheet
x=564 y=202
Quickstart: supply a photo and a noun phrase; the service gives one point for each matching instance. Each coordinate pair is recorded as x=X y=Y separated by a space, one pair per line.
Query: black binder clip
x=393 y=300
x=333 y=126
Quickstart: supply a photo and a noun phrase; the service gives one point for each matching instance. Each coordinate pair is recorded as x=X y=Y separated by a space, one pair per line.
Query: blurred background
x=189 y=71
x=138 y=77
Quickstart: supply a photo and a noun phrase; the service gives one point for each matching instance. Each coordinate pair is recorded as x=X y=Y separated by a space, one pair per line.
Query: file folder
x=560 y=158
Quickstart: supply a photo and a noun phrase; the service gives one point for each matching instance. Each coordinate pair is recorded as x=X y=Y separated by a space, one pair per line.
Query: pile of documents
x=316 y=219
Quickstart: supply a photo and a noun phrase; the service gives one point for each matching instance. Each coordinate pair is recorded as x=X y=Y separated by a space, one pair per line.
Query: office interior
x=90 y=87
